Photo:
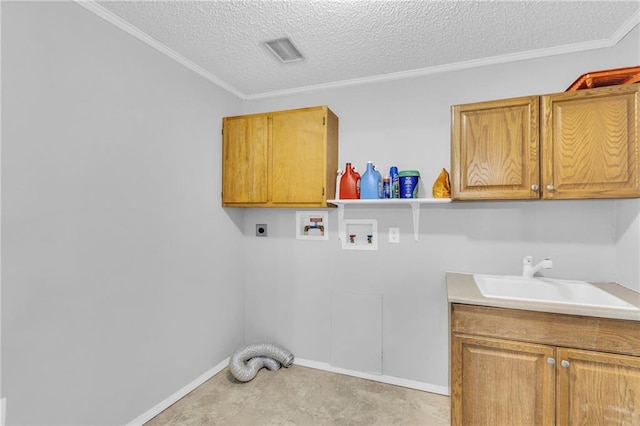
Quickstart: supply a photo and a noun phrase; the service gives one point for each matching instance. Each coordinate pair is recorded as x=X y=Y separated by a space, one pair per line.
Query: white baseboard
x=172 y=399
x=405 y=383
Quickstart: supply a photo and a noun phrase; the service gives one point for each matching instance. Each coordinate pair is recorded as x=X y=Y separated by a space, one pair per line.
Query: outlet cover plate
x=394 y=235
x=261 y=230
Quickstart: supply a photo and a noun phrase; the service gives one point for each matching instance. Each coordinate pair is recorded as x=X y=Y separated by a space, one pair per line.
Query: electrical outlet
x=394 y=235
x=261 y=230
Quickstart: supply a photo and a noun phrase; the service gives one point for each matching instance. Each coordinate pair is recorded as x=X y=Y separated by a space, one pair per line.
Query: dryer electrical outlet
x=261 y=230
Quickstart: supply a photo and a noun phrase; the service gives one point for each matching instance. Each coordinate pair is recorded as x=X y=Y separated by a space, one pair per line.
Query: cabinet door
x=498 y=382
x=494 y=150
x=245 y=160
x=590 y=143
x=299 y=156
x=597 y=388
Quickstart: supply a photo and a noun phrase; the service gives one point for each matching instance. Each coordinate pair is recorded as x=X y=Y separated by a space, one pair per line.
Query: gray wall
x=291 y=283
x=628 y=243
x=120 y=279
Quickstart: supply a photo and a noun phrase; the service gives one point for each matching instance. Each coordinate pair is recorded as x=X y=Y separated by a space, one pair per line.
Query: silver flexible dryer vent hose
x=245 y=363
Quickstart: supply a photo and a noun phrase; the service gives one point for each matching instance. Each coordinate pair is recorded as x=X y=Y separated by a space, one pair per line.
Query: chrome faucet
x=529 y=271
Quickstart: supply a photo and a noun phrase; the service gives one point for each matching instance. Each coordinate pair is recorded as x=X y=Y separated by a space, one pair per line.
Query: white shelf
x=390 y=201
x=415 y=204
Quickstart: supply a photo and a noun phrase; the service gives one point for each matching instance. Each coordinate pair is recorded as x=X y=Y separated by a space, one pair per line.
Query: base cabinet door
x=596 y=388
x=498 y=382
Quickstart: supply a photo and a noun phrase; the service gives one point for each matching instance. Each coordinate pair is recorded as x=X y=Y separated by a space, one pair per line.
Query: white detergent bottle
x=380 y=182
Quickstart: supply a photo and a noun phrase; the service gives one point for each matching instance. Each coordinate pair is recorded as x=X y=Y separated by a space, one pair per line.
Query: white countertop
x=461 y=288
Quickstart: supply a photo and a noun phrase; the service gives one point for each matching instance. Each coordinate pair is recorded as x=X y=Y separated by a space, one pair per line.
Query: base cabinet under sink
x=533 y=368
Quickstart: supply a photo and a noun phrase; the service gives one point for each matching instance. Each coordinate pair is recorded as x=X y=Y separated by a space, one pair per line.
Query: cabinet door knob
x=551 y=361
x=534 y=187
x=565 y=363
x=551 y=188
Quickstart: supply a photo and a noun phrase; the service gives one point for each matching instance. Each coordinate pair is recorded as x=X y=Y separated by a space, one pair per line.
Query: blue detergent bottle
x=369 y=183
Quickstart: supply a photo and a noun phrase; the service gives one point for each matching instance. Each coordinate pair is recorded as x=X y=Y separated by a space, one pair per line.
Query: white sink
x=548 y=290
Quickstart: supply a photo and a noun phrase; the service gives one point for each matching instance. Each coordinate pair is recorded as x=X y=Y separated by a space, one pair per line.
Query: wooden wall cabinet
x=280 y=159
x=534 y=368
x=569 y=145
x=495 y=149
x=591 y=144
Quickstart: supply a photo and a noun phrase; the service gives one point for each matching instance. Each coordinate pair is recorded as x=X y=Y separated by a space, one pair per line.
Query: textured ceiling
x=349 y=41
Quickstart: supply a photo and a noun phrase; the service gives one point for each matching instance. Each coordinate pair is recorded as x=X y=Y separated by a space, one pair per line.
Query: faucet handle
x=527 y=260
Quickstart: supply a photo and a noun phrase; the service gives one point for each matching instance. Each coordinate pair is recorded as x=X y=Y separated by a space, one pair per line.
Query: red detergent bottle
x=350 y=184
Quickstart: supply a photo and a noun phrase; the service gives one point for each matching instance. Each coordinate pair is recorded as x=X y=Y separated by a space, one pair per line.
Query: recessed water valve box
x=360 y=234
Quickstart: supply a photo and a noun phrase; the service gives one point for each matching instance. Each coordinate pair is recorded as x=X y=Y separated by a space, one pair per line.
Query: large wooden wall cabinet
x=569 y=145
x=512 y=367
x=280 y=159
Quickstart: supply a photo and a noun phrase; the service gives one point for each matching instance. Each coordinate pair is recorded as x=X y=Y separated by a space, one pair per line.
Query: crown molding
x=107 y=15
x=625 y=29
x=114 y=19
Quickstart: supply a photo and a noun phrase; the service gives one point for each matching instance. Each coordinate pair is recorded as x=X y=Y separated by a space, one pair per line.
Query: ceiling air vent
x=284 y=50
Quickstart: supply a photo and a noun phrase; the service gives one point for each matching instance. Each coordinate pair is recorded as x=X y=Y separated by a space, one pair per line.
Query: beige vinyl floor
x=304 y=396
